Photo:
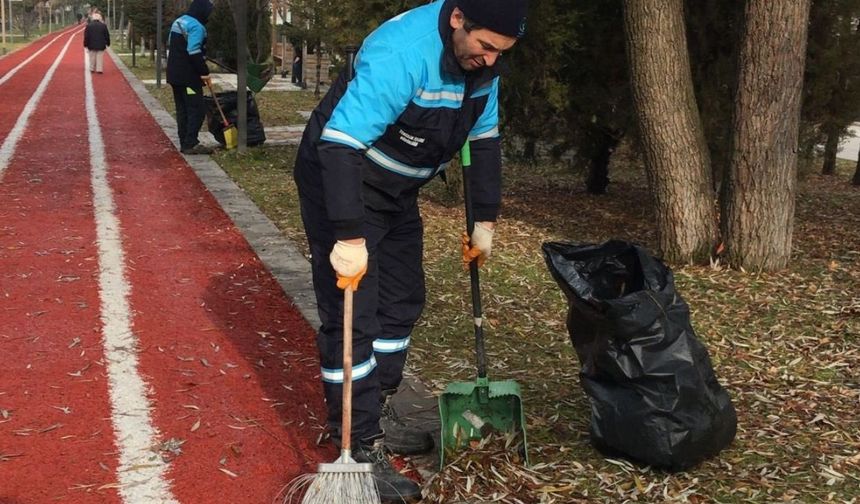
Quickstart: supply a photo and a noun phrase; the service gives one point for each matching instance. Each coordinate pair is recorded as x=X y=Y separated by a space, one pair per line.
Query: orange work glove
x=349 y=262
x=479 y=246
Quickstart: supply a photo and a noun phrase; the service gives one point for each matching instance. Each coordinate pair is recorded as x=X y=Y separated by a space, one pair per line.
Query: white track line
x=7 y=150
x=24 y=63
x=141 y=471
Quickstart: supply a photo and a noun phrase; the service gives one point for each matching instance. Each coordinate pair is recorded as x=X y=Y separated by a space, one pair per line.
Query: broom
x=231 y=136
x=344 y=480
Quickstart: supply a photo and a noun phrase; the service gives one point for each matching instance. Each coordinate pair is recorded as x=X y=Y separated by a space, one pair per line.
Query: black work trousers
x=190 y=112
x=386 y=306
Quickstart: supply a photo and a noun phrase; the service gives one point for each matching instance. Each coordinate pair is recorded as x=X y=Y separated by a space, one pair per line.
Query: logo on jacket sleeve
x=412 y=140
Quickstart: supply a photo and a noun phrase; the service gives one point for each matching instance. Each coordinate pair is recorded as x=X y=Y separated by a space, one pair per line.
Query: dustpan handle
x=481 y=355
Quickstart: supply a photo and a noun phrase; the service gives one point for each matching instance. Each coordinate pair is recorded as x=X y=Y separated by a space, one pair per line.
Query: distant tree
x=313 y=24
x=142 y=14
x=758 y=195
x=856 y=179
x=832 y=79
x=594 y=70
x=569 y=75
x=353 y=20
x=713 y=34
x=534 y=98
x=676 y=154
x=221 y=31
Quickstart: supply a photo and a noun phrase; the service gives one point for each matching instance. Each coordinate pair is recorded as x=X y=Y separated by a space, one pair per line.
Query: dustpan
x=471 y=411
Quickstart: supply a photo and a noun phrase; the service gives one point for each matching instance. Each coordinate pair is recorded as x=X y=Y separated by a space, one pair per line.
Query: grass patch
x=784 y=344
x=266 y=175
x=280 y=108
x=19 y=41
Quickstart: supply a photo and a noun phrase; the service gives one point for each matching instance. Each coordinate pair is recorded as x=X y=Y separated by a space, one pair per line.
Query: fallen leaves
x=785 y=345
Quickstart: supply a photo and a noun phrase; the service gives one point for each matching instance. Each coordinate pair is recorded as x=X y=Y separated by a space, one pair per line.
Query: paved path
x=149 y=355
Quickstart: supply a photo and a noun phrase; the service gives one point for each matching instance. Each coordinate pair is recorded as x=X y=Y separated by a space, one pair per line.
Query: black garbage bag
x=229 y=103
x=654 y=396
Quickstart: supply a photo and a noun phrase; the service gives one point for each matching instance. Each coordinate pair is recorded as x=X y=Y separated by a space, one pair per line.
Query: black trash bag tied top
x=654 y=396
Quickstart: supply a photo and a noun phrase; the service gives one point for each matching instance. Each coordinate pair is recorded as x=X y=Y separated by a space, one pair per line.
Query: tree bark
x=758 y=198
x=831 y=146
x=602 y=146
x=676 y=154
x=856 y=180
x=319 y=69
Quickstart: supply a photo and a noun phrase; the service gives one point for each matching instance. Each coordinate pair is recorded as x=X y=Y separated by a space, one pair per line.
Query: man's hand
x=349 y=260
x=207 y=80
x=480 y=246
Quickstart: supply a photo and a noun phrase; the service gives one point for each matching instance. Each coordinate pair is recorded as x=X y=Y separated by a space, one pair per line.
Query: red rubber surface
x=231 y=365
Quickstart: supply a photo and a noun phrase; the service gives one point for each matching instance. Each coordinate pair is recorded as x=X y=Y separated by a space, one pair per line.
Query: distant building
x=284 y=51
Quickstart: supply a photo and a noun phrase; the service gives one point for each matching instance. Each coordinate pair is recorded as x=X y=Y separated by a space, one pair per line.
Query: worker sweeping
x=424 y=82
x=187 y=73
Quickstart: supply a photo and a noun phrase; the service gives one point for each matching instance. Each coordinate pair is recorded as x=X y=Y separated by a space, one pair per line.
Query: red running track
x=229 y=365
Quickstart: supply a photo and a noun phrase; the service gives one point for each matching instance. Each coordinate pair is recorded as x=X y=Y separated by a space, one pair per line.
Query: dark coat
x=96 y=36
x=186 y=58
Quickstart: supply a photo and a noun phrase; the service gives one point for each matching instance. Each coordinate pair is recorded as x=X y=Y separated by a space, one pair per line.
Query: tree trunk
x=603 y=144
x=530 y=148
x=676 y=154
x=759 y=192
x=831 y=146
x=319 y=70
x=856 y=180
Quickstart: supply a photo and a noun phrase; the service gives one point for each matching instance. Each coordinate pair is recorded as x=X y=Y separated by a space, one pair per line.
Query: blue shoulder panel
x=389 y=70
x=192 y=30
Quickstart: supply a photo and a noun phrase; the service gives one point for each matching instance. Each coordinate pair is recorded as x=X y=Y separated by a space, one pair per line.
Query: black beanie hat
x=505 y=17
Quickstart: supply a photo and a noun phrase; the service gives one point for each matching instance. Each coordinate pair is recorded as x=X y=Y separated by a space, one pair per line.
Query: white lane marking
x=141 y=471
x=24 y=63
x=7 y=150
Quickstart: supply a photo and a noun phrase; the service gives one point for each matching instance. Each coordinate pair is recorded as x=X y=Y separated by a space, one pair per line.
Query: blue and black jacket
x=410 y=107
x=186 y=59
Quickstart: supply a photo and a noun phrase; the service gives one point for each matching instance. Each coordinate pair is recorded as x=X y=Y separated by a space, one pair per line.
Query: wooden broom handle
x=215 y=97
x=346 y=422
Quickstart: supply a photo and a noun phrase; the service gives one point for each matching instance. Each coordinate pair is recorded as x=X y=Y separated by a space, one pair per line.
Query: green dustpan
x=471 y=411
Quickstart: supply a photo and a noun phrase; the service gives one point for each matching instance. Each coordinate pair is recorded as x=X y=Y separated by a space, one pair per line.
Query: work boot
x=399 y=437
x=198 y=149
x=393 y=487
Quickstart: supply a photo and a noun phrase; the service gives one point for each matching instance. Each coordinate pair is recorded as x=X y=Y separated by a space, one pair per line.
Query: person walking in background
x=425 y=82
x=297 y=70
x=96 y=41
x=187 y=73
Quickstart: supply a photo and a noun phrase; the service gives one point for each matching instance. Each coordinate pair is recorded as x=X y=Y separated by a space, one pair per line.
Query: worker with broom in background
x=425 y=82
x=187 y=73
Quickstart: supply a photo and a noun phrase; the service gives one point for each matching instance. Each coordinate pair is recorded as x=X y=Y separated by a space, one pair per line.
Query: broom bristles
x=340 y=488
x=341 y=482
